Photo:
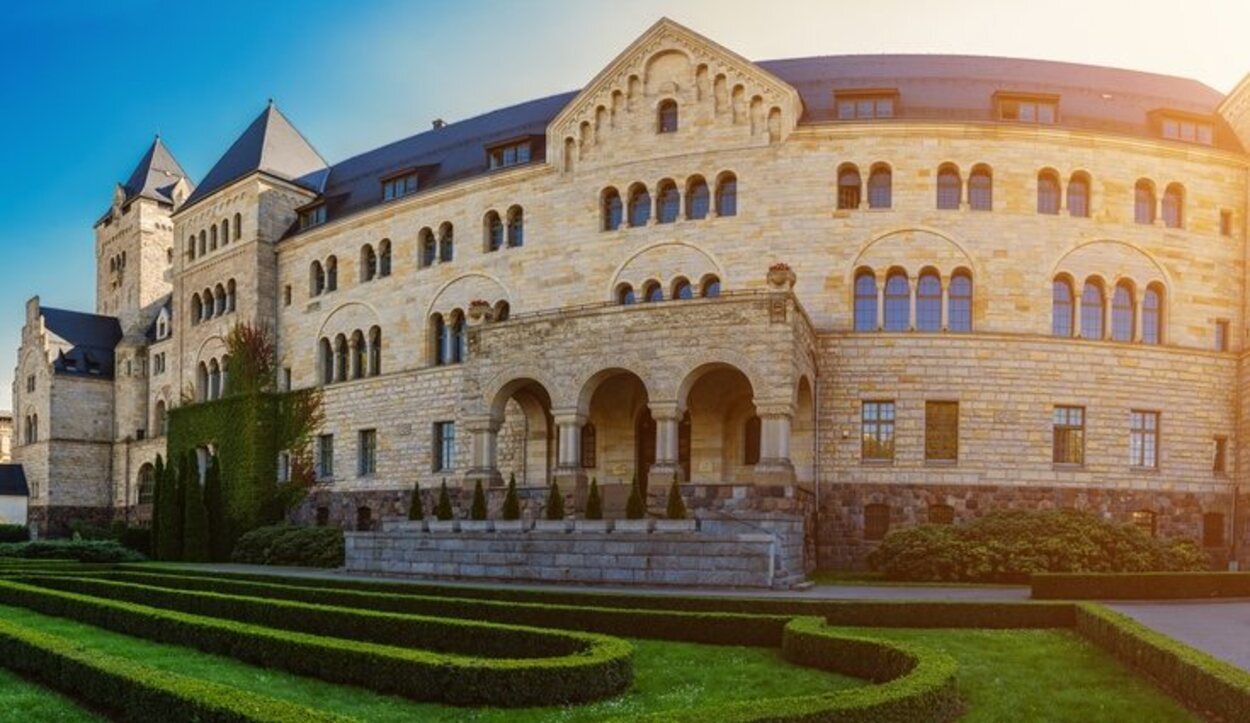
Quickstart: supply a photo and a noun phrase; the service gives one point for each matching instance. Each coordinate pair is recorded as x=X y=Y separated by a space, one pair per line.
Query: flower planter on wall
x=632 y=525
x=593 y=526
x=553 y=525
x=443 y=525
x=476 y=525
x=513 y=525
x=676 y=525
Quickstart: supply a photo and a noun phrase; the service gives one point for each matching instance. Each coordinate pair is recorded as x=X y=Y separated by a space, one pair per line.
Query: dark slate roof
x=155 y=176
x=92 y=339
x=13 y=481
x=270 y=145
x=168 y=305
x=956 y=88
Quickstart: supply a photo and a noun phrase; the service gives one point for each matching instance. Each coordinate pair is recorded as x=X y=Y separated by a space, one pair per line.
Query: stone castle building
x=872 y=291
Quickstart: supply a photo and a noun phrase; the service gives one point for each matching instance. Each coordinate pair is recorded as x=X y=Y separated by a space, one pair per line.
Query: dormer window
x=866 y=104
x=1041 y=109
x=668 y=116
x=399 y=186
x=1189 y=130
x=314 y=216
x=510 y=154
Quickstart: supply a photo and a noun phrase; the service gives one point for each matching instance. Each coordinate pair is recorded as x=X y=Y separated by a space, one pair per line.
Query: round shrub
x=291 y=545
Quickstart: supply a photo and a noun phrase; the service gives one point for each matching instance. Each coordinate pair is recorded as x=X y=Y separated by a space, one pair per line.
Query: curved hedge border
x=1140 y=585
x=1199 y=680
x=602 y=669
x=135 y=691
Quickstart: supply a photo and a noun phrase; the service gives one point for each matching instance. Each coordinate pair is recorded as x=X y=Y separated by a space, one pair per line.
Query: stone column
x=774 y=466
x=880 y=302
x=667 y=425
x=1108 y=313
x=569 y=473
x=484 y=432
x=1076 y=313
x=1137 y=318
x=946 y=298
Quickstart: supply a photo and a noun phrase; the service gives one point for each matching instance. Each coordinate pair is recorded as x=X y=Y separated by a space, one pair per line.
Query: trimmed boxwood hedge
x=136 y=692
x=602 y=668
x=1202 y=682
x=80 y=550
x=1141 y=585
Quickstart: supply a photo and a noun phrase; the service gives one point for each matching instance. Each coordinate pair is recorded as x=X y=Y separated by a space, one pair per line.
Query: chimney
x=439 y=123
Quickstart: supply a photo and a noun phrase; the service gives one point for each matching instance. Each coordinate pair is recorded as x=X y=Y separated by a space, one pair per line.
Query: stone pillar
x=911 y=302
x=1137 y=317
x=1076 y=313
x=946 y=299
x=483 y=466
x=569 y=473
x=667 y=465
x=774 y=466
x=1108 y=313
x=880 y=302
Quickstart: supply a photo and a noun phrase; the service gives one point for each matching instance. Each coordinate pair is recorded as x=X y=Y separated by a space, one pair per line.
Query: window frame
x=1066 y=430
x=1144 y=439
x=444 y=446
x=367 y=452
x=938 y=441
x=874 y=447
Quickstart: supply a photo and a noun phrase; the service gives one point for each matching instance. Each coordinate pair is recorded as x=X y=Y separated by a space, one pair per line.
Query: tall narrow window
x=332 y=273
x=880 y=187
x=341 y=358
x=941 y=431
x=317 y=279
x=1048 y=192
x=949 y=188
x=589 y=458
x=428 y=247
x=359 y=355
x=459 y=341
x=384 y=257
x=1220 y=465
x=1143 y=439
x=897 y=302
x=375 y=351
x=848 y=187
x=727 y=195
x=1151 y=314
x=368 y=263
x=438 y=333
x=446 y=243
x=326 y=355
x=668 y=205
x=1144 y=202
x=639 y=205
x=667 y=116
x=516 y=227
x=325 y=457
x=865 y=301
x=238 y=226
x=367 y=454
x=1078 y=195
x=981 y=189
x=1092 y=314
x=613 y=211
x=1068 y=428
x=1061 y=308
x=444 y=446
x=494 y=232
x=1122 y=313
x=877 y=431
x=1174 y=206
x=929 y=302
x=698 y=199
x=959 y=303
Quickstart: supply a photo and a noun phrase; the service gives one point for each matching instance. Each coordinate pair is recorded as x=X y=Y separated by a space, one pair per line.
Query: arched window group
x=950 y=187
x=215 y=235
x=212 y=379
x=1121 y=312
x=214 y=302
x=1050 y=193
x=508 y=229
x=449 y=342
x=886 y=304
x=692 y=200
x=323 y=276
x=1146 y=206
x=850 y=187
x=436 y=247
x=375 y=263
x=681 y=289
x=350 y=356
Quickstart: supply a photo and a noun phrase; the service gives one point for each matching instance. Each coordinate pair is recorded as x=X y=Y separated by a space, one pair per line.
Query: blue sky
x=88 y=83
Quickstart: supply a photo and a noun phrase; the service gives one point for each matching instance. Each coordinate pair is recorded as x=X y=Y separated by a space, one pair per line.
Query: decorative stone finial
x=781 y=277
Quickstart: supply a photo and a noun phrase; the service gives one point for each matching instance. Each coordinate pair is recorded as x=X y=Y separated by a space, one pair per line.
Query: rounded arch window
x=865 y=301
x=427 y=248
x=848 y=186
x=1174 y=206
x=1152 y=315
x=897 y=302
x=625 y=295
x=613 y=210
x=1048 y=192
x=668 y=205
x=1122 y=313
x=639 y=205
x=494 y=231
x=1092 y=310
x=1078 y=195
x=698 y=199
x=727 y=195
x=880 y=187
x=446 y=243
x=929 y=302
x=949 y=188
x=709 y=288
x=1144 y=202
x=981 y=189
x=652 y=291
x=959 y=302
x=1061 y=308
x=667 y=121
x=682 y=290
x=516 y=227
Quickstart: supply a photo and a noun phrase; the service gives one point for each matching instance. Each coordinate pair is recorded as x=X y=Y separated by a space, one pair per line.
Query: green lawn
x=1042 y=675
x=30 y=703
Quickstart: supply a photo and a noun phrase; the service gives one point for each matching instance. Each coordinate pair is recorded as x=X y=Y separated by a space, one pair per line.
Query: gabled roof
x=13 y=481
x=270 y=145
x=155 y=176
x=91 y=337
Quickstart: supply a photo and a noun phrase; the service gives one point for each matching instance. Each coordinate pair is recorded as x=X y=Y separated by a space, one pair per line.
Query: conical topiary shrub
x=636 y=507
x=511 y=503
x=478 y=510
x=594 y=505
x=416 y=509
x=443 y=509
x=555 y=503
x=676 y=509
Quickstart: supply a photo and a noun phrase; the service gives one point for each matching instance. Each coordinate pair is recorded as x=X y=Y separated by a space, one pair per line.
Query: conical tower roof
x=155 y=175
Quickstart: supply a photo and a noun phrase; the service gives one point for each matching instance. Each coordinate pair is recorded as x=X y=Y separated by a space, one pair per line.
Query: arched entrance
x=526 y=438
x=718 y=436
x=803 y=434
x=617 y=409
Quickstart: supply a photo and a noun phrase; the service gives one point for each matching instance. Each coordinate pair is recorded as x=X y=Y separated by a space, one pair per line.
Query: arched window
x=341 y=359
x=225 y=232
x=651 y=291
x=897 y=302
x=375 y=351
x=959 y=302
x=201 y=382
x=161 y=423
x=865 y=301
x=317 y=279
x=502 y=310
x=146 y=484
x=191 y=247
x=516 y=227
x=1092 y=312
x=231 y=296
x=197 y=309
x=667 y=120
x=682 y=290
x=225 y=375
x=368 y=263
x=612 y=210
x=1061 y=308
x=220 y=302
x=639 y=205
x=1048 y=192
x=1144 y=202
x=727 y=195
x=384 y=257
x=359 y=355
x=446 y=243
x=949 y=188
x=848 y=186
x=238 y=226
x=1174 y=206
x=326 y=357
x=880 y=187
x=698 y=198
x=751 y=441
x=981 y=188
x=332 y=273
x=212 y=238
x=1122 y=313
x=427 y=247
x=1078 y=195
x=210 y=304
x=438 y=334
x=458 y=339
x=1152 y=315
x=625 y=295
x=929 y=302
x=709 y=287
x=203 y=242
x=214 y=380
x=668 y=202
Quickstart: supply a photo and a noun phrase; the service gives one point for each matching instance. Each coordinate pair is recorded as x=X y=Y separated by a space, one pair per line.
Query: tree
x=416 y=510
x=636 y=507
x=478 y=510
x=594 y=505
x=443 y=509
x=158 y=481
x=195 y=534
x=219 y=545
x=555 y=503
x=511 y=503
x=676 y=509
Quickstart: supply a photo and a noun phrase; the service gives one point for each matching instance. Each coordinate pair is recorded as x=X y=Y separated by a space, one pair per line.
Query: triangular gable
x=720 y=89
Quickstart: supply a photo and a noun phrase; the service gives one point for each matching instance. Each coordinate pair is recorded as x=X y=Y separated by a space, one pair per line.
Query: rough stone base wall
x=47 y=521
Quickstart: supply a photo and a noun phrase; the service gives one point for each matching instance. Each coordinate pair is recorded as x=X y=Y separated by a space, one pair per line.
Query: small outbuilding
x=14 y=494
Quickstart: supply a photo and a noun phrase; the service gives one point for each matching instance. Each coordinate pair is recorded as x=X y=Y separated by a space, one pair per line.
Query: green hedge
x=136 y=692
x=1141 y=586
x=291 y=545
x=917 y=685
x=1202 y=682
x=14 y=533
x=80 y=550
x=602 y=668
